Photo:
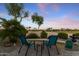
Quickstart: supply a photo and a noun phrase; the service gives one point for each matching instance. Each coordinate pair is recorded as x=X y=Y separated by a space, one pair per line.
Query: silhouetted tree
x=37 y=19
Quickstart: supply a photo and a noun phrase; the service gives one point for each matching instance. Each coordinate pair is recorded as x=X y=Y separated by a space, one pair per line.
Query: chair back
x=53 y=39
x=23 y=39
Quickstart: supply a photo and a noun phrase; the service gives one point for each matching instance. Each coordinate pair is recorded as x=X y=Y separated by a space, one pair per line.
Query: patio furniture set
x=35 y=43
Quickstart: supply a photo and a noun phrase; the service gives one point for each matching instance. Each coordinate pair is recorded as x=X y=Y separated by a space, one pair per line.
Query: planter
x=69 y=44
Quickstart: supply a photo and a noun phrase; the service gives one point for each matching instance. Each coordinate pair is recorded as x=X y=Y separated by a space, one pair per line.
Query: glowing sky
x=55 y=15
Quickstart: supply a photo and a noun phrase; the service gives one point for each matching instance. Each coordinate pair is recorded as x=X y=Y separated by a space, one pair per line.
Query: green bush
x=12 y=29
x=76 y=35
x=69 y=44
x=32 y=35
x=43 y=34
x=63 y=35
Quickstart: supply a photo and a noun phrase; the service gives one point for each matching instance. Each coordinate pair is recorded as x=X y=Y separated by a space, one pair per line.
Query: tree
x=16 y=10
x=49 y=28
x=37 y=19
x=12 y=29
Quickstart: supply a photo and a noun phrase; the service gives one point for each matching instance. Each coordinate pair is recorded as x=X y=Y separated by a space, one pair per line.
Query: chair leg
x=37 y=50
x=48 y=51
x=41 y=49
x=27 y=51
x=19 y=50
x=57 y=50
x=34 y=46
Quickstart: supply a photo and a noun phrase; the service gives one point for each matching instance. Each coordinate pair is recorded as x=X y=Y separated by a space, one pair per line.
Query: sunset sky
x=55 y=15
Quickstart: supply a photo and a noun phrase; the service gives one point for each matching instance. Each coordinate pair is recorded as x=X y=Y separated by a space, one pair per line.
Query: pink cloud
x=67 y=23
x=74 y=14
x=42 y=6
x=64 y=22
x=55 y=7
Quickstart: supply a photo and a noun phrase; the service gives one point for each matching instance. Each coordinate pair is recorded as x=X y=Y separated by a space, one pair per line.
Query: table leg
x=41 y=49
x=37 y=50
x=43 y=44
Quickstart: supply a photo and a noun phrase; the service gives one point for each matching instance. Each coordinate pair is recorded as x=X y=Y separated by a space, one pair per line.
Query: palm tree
x=11 y=30
x=16 y=10
x=37 y=19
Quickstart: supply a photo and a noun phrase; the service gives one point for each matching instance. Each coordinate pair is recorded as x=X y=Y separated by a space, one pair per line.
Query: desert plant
x=76 y=35
x=43 y=34
x=32 y=35
x=69 y=44
x=63 y=35
x=12 y=29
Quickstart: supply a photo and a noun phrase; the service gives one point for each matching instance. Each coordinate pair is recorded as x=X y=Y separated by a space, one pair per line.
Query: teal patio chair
x=24 y=41
x=52 y=42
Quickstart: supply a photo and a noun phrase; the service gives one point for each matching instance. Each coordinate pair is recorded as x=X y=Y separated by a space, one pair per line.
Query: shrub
x=63 y=35
x=32 y=35
x=43 y=34
x=69 y=44
x=12 y=29
x=76 y=35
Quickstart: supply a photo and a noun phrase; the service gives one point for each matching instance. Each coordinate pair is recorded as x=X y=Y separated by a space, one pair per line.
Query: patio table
x=38 y=42
x=59 y=41
x=37 y=39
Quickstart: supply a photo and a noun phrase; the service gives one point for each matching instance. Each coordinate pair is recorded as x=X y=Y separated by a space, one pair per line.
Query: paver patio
x=12 y=51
